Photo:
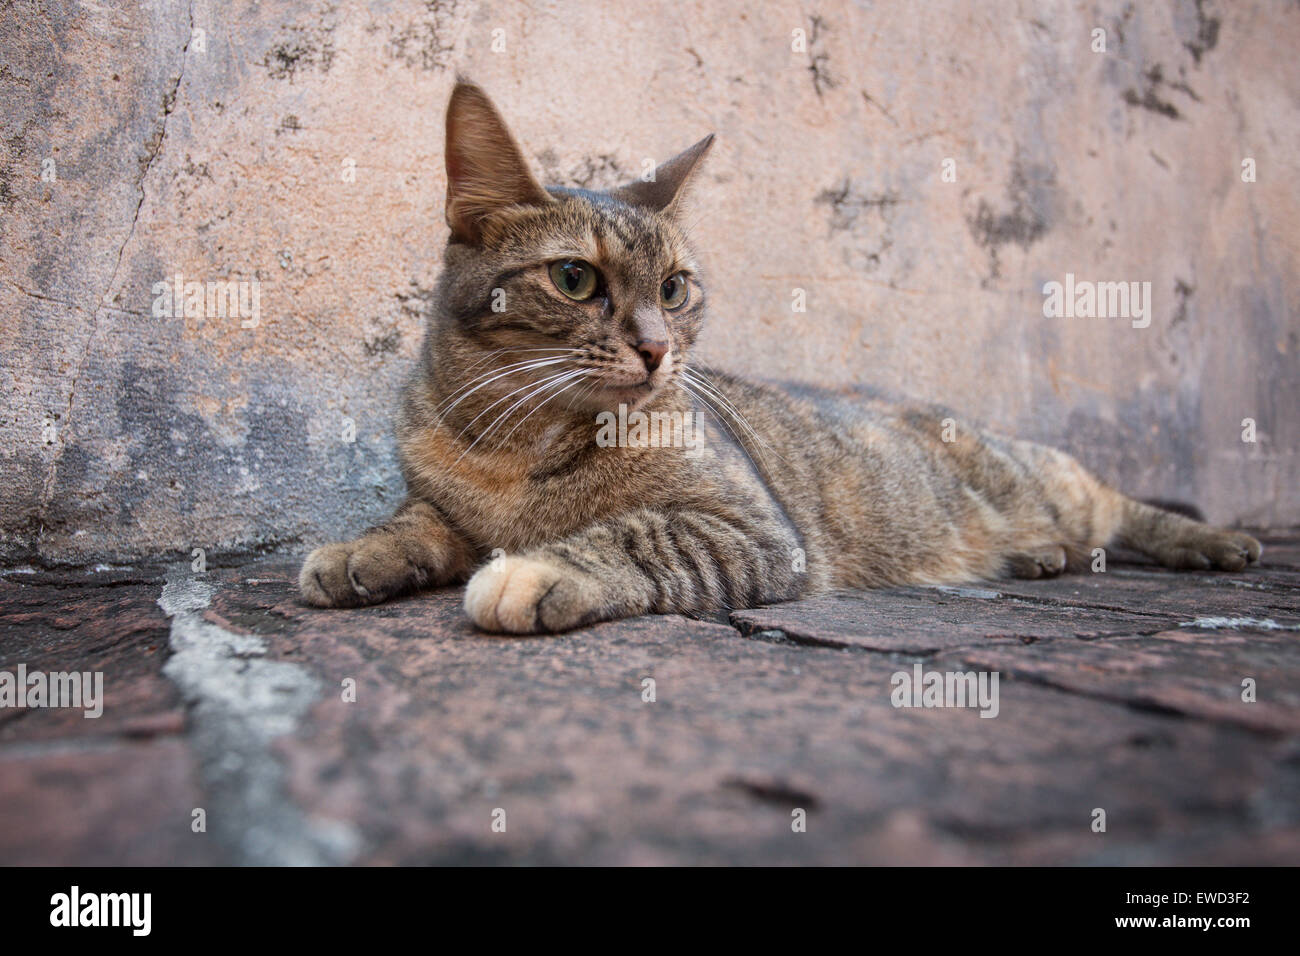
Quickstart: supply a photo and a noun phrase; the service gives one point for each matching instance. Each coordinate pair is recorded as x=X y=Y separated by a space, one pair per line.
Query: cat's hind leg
x=1086 y=514
x=1182 y=543
x=414 y=549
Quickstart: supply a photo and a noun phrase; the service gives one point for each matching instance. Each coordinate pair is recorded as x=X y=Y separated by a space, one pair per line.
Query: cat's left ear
x=666 y=190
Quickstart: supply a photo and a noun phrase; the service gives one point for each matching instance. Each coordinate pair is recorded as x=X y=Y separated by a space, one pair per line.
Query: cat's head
x=603 y=286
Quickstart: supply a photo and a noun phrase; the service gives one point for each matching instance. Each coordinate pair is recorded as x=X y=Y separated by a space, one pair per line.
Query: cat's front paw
x=517 y=595
x=323 y=580
x=354 y=573
x=1205 y=548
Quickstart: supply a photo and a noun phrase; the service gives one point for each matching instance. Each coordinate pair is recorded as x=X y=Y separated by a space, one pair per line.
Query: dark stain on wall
x=1205 y=36
x=596 y=171
x=1182 y=292
x=1025 y=218
x=427 y=43
x=302 y=47
x=818 y=59
x=1152 y=96
x=382 y=344
x=868 y=216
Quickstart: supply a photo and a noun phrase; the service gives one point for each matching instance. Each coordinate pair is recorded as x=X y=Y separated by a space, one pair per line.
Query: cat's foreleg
x=684 y=562
x=414 y=549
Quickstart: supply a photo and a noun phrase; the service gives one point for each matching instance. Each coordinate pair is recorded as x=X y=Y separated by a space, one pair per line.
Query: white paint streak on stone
x=1218 y=623
x=239 y=703
x=984 y=594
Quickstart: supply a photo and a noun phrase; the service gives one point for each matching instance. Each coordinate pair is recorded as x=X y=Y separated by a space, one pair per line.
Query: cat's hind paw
x=518 y=595
x=1205 y=548
x=1045 y=562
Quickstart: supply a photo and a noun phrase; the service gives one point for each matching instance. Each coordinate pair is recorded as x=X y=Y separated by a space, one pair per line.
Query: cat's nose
x=652 y=353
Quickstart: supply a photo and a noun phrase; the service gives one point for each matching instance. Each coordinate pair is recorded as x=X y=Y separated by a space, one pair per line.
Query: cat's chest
x=501 y=499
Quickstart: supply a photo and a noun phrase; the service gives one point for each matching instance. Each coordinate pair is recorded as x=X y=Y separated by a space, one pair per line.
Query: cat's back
x=821 y=420
x=864 y=474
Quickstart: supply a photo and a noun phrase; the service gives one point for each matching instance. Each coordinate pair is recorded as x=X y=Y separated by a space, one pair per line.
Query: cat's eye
x=673 y=291
x=575 y=278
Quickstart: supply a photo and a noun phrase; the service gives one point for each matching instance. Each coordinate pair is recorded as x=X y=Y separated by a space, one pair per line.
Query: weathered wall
x=223 y=155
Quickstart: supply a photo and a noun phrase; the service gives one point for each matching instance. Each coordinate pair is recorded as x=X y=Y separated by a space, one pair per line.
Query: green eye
x=575 y=278
x=673 y=291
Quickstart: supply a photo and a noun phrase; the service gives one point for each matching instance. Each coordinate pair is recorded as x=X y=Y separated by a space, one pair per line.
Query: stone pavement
x=1119 y=691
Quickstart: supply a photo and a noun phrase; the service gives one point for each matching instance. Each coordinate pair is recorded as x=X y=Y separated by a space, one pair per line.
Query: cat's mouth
x=630 y=394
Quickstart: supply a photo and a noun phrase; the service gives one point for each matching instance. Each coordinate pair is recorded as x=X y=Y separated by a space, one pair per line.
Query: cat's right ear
x=486 y=171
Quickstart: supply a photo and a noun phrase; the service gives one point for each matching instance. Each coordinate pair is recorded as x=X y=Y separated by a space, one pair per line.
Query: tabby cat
x=557 y=305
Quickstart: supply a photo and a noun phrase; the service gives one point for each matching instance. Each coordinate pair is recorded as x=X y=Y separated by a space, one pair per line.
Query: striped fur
x=794 y=491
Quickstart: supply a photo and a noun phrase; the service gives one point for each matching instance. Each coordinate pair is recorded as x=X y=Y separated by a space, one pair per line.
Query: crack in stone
x=41 y=298
x=1141 y=704
x=1159 y=621
x=784 y=637
x=169 y=103
x=155 y=149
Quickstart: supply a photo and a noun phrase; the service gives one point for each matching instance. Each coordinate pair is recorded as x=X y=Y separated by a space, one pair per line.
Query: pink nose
x=652 y=353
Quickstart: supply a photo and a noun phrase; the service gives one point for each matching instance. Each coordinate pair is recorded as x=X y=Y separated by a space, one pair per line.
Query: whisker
x=540 y=404
x=495 y=352
x=500 y=367
x=526 y=366
x=508 y=396
x=541 y=387
x=685 y=385
x=701 y=380
x=583 y=394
